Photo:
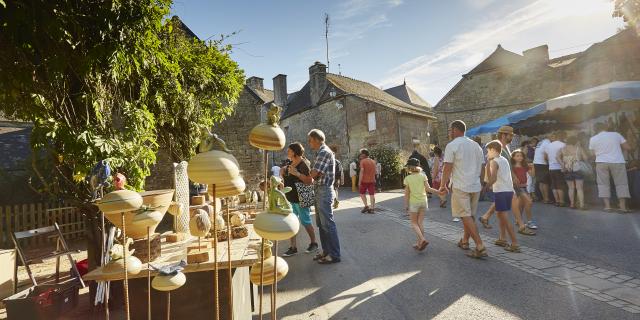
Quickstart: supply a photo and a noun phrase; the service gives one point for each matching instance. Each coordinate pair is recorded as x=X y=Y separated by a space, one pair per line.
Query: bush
x=392 y=161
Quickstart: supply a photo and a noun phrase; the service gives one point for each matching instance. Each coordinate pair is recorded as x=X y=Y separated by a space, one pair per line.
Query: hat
x=413 y=162
x=505 y=129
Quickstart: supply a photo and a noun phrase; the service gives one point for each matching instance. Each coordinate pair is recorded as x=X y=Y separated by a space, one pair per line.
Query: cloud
x=357 y=29
x=352 y=8
x=479 y=4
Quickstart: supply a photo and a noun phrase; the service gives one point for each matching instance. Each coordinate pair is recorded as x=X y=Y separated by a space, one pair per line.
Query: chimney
x=318 y=81
x=280 y=90
x=537 y=56
x=255 y=83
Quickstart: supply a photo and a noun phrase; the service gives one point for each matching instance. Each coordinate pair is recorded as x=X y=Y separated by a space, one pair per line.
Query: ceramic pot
x=237 y=219
x=200 y=224
x=267 y=137
x=168 y=283
x=134 y=265
x=213 y=167
x=283 y=269
x=157 y=200
x=119 y=201
x=230 y=188
x=273 y=226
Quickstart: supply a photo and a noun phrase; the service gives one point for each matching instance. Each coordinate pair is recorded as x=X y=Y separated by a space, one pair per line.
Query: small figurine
x=278 y=202
x=119 y=181
x=171 y=269
x=273 y=115
x=117 y=250
x=98 y=178
x=200 y=224
x=211 y=141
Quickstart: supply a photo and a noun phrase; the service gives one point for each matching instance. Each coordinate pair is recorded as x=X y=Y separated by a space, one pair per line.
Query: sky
x=428 y=43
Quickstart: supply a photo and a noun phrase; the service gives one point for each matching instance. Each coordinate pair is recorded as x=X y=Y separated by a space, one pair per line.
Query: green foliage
x=629 y=11
x=108 y=80
x=392 y=163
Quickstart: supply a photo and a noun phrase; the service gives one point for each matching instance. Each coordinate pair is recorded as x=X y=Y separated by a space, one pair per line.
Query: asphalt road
x=581 y=265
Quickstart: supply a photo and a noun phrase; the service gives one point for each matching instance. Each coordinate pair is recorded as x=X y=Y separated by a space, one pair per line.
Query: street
x=581 y=265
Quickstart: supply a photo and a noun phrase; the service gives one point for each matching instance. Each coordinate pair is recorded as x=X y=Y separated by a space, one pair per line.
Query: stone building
x=507 y=81
x=354 y=114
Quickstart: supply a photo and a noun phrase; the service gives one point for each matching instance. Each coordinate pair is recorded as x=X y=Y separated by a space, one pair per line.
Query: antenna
x=339 y=69
x=326 y=36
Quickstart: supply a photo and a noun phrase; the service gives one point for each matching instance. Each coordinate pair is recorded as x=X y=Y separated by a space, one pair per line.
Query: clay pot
x=134 y=265
x=120 y=201
x=237 y=219
x=213 y=167
x=200 y=224
x=267 y=137
x=283 y=269
x=157 y=200
x=273 y=226
x=168 y=283
x=231 y=187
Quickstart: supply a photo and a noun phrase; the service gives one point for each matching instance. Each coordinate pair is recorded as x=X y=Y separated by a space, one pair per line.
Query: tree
x=108 y=80
x=629 y=11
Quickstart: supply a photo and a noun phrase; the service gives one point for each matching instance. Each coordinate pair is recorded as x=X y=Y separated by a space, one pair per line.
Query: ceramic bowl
x=273 y=226
x=120 y=201
x=213 y=167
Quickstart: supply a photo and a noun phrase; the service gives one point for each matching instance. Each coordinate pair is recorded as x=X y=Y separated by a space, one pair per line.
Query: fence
x=32 y=216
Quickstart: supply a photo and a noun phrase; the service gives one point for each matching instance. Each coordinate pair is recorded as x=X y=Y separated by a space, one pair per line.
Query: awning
x=493 y=125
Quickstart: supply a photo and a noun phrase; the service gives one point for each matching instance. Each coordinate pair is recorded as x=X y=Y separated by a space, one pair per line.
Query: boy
x=499 y=179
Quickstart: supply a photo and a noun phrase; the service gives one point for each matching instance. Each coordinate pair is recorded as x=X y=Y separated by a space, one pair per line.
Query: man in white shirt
x=462 y=167
x=353 y=175
x=607 y=147
x=541 y=168
x=551 y=152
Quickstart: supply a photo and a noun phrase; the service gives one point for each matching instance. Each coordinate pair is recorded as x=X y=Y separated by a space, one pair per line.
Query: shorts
x=304 y=214
x=542 y=173
x=521 y=190
x=418 y=207
x=369 y=187
x=557 y=179
x=464 y=204
x=572 y=176
x=503 y=201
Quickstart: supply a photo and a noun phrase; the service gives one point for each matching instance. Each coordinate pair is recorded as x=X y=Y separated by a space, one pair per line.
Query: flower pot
x=267 y=137
x=267 y=279
x=273 y=226
x=213 y=167
x=168 y=282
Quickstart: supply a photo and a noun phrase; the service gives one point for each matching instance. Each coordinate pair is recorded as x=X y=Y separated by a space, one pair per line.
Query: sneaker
x=456 y=219
x=290 y=252
x=532 y=225
x=313 y=247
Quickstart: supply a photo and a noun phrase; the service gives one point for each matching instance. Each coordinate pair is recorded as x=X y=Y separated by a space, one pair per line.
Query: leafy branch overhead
x=108 y=80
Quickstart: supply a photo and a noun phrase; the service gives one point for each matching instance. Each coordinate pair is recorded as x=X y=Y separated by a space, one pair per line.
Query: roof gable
x=499 y=58
x=406 y=94
x=264 y=95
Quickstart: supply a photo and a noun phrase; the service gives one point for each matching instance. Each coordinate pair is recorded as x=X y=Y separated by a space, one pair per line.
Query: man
x=424 y=164
x=378 y=176
x=352 y=174
x=462 y=166
x=505 y=136
x=367 y=180
x=551 y=152
x=541 y=168
x=607 y=147
x=323 y=177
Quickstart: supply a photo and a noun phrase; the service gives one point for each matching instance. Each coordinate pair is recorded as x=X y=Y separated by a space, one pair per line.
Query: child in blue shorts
x=499 y=179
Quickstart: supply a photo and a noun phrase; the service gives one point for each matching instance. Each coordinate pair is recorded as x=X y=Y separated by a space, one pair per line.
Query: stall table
x=194 y=300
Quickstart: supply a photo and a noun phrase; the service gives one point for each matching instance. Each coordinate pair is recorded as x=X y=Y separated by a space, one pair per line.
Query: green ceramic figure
x=278 y=202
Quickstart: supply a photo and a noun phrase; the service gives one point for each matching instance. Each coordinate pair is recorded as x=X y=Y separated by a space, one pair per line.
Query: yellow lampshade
x=267 y=137
x=213 y=167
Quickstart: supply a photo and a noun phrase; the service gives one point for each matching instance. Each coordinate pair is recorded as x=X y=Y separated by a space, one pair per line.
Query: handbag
x=581 y=166
x=306 y=194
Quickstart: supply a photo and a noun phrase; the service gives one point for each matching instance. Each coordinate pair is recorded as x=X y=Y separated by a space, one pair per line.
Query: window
x=371 y=118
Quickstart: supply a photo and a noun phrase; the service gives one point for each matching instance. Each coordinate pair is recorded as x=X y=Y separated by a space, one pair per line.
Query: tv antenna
x=326 y=36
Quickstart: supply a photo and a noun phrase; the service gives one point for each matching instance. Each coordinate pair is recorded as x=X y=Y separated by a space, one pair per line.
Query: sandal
x=501 y=243
x=548 y=202
x=526 y=231
x=328 y=260
x=365 y=209
x=478 y=254
x=463 y=245
x=319 y=256
x=512 y=248
x=485 y=223
x=608 y=209
x=423 y=245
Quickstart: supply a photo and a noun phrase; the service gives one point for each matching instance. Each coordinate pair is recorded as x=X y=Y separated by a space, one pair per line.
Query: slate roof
x=298 y=101
x=181 y=25
x=499 y=58
x=406 y=94
x=265 y=95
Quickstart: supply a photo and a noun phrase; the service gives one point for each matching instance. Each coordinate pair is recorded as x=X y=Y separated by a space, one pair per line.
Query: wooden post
x=229 y=271
x=261 y=275
x=126 y=276
x=215 y=251
x=274 y=286
x=148 y=273
x=168 y=305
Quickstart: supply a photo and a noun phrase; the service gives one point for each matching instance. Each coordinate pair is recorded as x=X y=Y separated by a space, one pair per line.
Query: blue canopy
x=493 y=125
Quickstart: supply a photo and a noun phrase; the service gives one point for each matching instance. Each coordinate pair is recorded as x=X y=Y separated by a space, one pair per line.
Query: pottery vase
x=267 y=278
x=267 y=137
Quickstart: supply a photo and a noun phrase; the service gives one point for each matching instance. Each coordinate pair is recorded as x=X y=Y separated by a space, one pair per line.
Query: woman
x=521 y=172
x=295 y=153
x=567 y=157
x=436 y=173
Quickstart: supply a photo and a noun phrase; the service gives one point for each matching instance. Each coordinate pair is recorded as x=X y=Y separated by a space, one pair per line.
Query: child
x=521 y=171
x=499 y=178
x=415 y=199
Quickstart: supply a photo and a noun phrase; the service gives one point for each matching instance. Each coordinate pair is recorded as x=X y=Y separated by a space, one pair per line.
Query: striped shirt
x=324 y=164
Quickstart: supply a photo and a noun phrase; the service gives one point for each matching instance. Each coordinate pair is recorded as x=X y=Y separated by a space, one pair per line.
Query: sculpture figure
x=117 y=250
x=211 y=141
x=273 y=115
x=98 y=178
x=278 y=202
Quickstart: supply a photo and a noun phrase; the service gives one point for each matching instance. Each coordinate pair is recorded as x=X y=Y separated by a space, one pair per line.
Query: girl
x=415 y=200
x=521 y=171
x=436 y=173
x=567 y=157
